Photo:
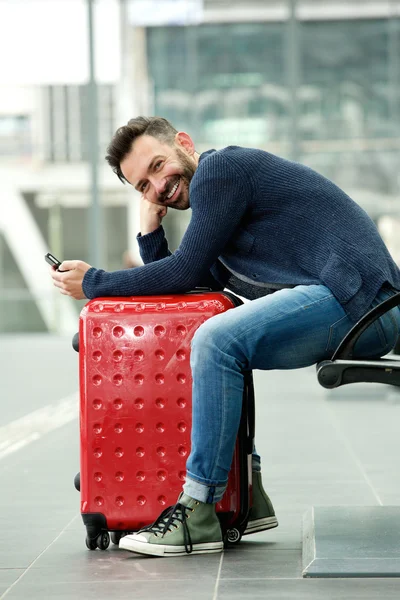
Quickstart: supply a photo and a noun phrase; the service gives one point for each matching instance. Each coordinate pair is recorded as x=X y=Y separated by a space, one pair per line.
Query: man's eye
x=143 y=187
x=158 y=164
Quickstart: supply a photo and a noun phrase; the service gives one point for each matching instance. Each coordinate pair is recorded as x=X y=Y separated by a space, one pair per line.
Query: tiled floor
x=319 y=448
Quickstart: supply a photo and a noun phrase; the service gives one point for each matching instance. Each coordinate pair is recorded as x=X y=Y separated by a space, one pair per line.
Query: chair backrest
x=345 y=349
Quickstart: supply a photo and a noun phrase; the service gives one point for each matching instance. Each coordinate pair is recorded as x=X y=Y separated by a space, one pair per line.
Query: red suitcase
x=135 y=413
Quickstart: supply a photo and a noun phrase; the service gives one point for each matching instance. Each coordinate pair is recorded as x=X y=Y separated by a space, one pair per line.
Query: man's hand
x=70 y=282
x=151 y=216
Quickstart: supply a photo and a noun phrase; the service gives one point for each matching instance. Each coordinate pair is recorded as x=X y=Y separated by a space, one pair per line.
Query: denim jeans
x=289 y=329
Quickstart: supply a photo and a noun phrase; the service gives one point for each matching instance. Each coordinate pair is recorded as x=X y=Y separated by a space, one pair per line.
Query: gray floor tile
x=389 y=498
x=316 y=448
x=298 y=472
x=306 y=589
x=8 y=577
x=37 y=515
x=68 y=559
x=20 y=549
x=359 y=392
x=356 y=541
x=117 y=566
x=324 y=492
x=114 y=588
x=287 y=536
x=43 y=381
x=262 y=559
x=77 y=525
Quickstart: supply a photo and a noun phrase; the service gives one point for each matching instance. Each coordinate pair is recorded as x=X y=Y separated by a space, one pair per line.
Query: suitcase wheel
x=75 y=342
x=102 y=541
x=233 y=536
x=116 y=536
x=91 y=544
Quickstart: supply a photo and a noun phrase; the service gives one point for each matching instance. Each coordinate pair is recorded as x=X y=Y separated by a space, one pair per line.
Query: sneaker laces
x=166 y=521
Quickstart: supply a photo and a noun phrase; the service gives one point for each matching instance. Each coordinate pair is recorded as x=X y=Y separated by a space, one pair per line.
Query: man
x=309 y=259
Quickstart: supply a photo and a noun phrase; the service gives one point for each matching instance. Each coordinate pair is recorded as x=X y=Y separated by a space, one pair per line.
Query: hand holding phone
x=70 y=279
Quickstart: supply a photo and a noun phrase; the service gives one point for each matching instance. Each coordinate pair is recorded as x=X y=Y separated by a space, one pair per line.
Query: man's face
x=160 y=172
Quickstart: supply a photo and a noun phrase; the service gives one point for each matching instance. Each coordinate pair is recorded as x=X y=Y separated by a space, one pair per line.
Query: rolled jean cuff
x=256 y=463
x=209 y=494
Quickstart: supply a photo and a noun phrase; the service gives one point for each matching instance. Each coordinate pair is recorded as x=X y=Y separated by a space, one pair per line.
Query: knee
x=210 y=335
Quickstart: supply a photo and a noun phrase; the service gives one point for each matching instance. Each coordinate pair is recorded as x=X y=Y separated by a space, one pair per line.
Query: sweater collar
x=204 y=155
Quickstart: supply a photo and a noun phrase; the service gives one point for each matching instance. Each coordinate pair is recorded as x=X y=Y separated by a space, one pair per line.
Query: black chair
x=343 y=368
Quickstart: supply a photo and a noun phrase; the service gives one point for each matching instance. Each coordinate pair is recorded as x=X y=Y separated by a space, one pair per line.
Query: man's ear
x=183 y=139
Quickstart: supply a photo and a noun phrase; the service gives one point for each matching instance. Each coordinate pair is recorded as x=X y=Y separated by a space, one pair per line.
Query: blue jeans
x=289 y=329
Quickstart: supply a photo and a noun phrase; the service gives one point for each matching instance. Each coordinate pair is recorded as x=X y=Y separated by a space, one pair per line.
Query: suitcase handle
x=246 y=445
x=250 y=409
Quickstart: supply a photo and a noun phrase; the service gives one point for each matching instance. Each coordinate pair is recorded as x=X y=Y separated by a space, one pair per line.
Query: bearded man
x=308 y=258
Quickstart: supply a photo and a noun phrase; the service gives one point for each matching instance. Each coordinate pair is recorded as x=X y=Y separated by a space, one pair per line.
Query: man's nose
x=159 y=186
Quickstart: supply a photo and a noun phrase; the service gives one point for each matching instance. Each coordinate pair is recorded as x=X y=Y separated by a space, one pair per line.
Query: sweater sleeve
x=218 y=196
x=153 y=246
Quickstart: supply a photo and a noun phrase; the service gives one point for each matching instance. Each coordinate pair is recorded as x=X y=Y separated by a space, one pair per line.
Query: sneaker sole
x=261 y=525
x=165 y=550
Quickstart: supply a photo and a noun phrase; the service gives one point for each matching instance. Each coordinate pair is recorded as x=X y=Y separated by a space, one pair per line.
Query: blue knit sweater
x=265 y=223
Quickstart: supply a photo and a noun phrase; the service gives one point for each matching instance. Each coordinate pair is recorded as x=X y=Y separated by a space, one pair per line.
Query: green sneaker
x=262 y=514
x=189 y=527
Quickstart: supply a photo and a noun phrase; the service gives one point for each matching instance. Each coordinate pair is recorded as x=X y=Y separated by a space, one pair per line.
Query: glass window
x=223 y=83
x=228 y=84
x=15 y=136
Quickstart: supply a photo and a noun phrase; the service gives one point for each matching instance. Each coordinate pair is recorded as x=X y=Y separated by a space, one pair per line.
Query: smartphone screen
x=52 y=260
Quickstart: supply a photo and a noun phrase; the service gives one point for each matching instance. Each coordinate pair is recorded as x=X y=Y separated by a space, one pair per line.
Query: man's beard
x=188 y=170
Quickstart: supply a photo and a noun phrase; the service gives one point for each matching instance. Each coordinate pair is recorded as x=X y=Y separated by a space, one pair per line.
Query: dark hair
x=121 y=144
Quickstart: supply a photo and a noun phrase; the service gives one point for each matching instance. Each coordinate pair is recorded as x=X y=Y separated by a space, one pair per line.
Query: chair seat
x=332 y=374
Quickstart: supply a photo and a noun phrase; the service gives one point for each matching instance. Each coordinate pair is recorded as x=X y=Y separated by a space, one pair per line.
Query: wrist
x=149 y=228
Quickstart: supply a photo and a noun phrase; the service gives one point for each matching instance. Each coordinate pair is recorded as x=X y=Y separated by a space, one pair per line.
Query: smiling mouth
x=173 y=190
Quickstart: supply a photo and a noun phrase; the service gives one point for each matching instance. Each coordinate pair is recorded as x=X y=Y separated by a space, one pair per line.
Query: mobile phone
x=52 y=260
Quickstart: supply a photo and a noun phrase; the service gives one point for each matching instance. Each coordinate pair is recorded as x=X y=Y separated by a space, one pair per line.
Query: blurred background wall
x=316 y=81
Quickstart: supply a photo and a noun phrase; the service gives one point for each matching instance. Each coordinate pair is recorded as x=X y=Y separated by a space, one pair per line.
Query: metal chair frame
x=343 y=368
